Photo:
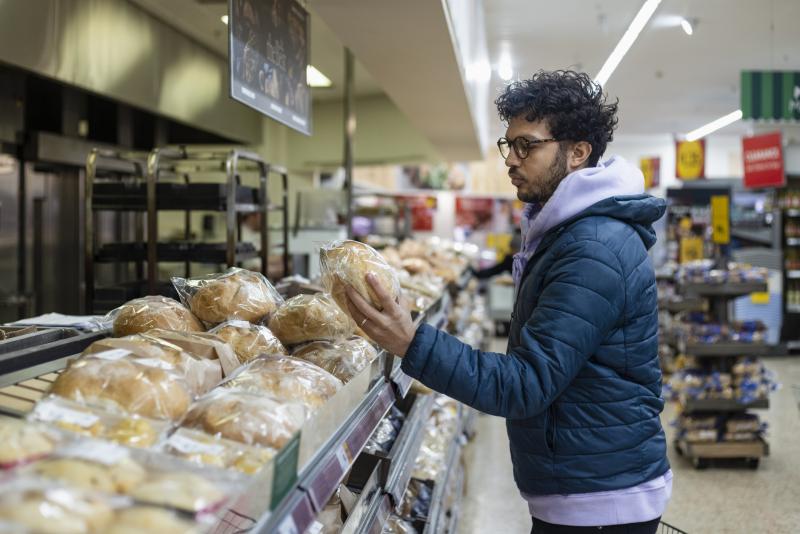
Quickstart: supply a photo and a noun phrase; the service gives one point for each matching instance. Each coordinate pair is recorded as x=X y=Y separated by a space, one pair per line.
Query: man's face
x=537 y=176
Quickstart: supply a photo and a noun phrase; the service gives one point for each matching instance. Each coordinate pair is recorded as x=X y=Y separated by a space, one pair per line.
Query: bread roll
x=201 y=345
x=248 y=418
x=237 y=294
x=249 y=341
x=286 y=379
x=416 y=266
x=125 y=385
x=121 y=477
x=181 y=490
x=204 y=449
x=343 y=359
x=347 y=263
x=392 y=257
x=310 y=318
x=132 y=432
x=56 y=511
x=21 y=441
x=146 y=313
x=141 y=519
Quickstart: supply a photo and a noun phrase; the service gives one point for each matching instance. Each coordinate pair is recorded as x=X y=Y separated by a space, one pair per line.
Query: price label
x=343 y=456
x=288 y=526
x=51 y=412
x=187 y=445
x=96 y=451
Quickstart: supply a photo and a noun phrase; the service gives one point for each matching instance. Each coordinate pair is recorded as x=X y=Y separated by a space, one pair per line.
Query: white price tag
x=344 y=459
x=288 y=526
x=97 y=451
x=191 y=446
x=113 y=354
x=51 y=412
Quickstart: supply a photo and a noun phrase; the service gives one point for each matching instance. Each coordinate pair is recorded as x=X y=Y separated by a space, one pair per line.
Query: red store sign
x=763 y=161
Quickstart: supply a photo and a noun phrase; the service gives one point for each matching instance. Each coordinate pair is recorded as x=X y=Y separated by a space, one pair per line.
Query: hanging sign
x=720 y=219
x=651 y=169
x=690 y=159
x=771 y=95
x=763 y=161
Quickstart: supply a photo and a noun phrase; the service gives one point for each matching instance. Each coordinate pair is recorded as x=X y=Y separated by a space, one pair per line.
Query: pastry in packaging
x=150 y=388
x=120 y=475
x=202 y=345
x=143 y=314
x=204 y=449
x=287 y=379
x=182 y=490
x=252 y=419
x=249 y=341
x=141 y=519
x=236 y=294
x=310 y=318
x=392 y=257
x=410 y=248
x=22 y=441
x=46 y=507
x=344 y=263
x=416 y=266
x=344 y=359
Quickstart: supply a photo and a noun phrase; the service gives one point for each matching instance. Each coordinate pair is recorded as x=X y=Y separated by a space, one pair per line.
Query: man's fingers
x=385 y=299
x=364 y=308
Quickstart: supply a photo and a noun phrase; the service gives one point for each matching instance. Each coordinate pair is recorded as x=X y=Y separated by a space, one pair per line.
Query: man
x=580 y=385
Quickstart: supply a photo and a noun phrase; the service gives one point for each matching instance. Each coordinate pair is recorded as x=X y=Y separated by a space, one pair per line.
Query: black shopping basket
x=666 y=528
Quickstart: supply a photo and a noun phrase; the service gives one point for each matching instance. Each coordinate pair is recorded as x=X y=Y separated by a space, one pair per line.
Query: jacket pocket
x=550 y=430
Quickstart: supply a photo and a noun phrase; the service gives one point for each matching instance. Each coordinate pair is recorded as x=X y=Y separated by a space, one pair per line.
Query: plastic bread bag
x=310 y=318
x=45 y=506
x=92 y=465
x=125 y=429
x=201 y=374
x=329 y=519
x=398 y=525
x=417 y=499
x=247 y=340
x=24 y=441
x=113 y=381
x=235 y=294
x=143 y=518
x=146 y=313
x=344 y=358
x=386 y=433
x=411 y=248
x=202 y=345
x=345 y=263
x=416 y=266
x=286 y=379
x=204 y=449
x=249 y=418
x=392 y=257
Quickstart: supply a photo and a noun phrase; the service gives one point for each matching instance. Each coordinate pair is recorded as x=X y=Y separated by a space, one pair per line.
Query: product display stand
x=701 y=453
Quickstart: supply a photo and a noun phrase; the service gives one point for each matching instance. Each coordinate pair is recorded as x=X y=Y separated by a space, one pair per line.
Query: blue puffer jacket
x=580 y=386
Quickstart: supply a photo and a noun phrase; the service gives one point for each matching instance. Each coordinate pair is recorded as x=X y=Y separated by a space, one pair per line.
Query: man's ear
x=578 y=155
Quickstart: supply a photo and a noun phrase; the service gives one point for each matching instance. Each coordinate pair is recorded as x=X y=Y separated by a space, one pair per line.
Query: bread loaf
x=310 y=318
x=146 y=313
x=21 y=441
x=49 y=510
x=181 y=490
x=237 y=294
x=141 y=519
x=121 y=477
x=344 y=359
x=347 y=263
x=248 y=341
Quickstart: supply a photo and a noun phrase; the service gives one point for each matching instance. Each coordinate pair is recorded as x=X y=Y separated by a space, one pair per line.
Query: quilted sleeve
x=581 y=301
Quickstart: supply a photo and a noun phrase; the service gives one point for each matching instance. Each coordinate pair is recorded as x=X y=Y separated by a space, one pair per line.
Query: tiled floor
x=716 y=500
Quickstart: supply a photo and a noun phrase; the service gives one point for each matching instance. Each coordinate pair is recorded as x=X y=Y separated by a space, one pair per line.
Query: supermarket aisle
x=719 y=500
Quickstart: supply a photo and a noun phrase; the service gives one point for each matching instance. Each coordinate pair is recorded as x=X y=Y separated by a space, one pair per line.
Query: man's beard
x=548 y=185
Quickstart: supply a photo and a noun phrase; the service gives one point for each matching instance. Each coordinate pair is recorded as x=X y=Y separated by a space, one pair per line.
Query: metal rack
x=129 y=182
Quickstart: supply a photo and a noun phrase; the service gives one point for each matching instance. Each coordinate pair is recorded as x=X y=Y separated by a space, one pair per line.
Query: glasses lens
x=521 y=147
x=502 y=144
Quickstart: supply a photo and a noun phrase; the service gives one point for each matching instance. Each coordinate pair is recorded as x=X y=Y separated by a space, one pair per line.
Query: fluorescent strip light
x=687 y=27
x=224 y=19
x=504 y=68
x=633 y=31
x=713 y=126
x=315 y=78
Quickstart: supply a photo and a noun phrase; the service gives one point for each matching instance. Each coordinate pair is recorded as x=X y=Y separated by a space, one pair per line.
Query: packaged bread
x=125 y=429
x=235 y=294
x=344 y=359
x=203 y=345
x=310 y=318
x=113 y=381
x=182 y=490
x=412 y=249
x=246 y=417
x=416 y=266
x=248 y=341
x=392 y=257
x=46 y=507
x=22 y=441
x=140 y=519
x=286 y=379
x=143 y=314
x=204 y=449
x=344 y=263
x=201 y=374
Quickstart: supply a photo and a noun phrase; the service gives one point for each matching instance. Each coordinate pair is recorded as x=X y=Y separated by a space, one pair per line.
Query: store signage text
x=763 y=161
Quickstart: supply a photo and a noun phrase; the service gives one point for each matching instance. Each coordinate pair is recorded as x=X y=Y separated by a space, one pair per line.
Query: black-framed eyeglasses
x=522 y=145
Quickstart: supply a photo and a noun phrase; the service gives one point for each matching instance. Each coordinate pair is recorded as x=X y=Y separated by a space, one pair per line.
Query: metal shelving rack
x=119 y=182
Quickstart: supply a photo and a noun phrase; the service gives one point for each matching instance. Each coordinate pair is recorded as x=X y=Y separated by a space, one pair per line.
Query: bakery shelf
x=792 y=212
x=746 y=450
x=400 y=460
x=437 y=516
x=375 y=517
x=793 y=274
x=793 y=241
x=34 y=361
x=723 y=349
x=721 y=405
x=683 y=305
x=736 y=289
x=132 y=196
x=26 y=337
x=178 y=251
x=793 y=308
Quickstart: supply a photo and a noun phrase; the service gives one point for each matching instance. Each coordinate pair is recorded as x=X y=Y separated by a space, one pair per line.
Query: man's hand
x=391 y=328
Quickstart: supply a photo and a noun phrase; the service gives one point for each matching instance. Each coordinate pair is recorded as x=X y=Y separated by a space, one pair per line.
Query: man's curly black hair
x=573 y=106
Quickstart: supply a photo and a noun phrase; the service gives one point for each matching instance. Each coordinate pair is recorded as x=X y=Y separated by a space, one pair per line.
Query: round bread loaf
x=347 y=263
x=343 y=359
x=238 y=294
x=416 y=266
x=247 y=418
x=140 y=519
x=65 y=512
x=125 y=385
x=146 y=313
x=310 y=318
x=121 y=477
x=20 y=441
x=248 y=341
x=181 y=490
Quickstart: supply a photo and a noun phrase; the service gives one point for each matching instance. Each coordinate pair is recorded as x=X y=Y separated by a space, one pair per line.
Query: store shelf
x=30 y=362
x=437 y=515
x=793 y=308
x=375 y=518
x=722 y=449
x=792 y=212
x=721 y=405
x=683 y=305
x=726 y=349
x=178 y=251
x=123 y=196
x=724 y=290
x=793 y=274
x=761 y=237
x=793 y=241
x=401 y=458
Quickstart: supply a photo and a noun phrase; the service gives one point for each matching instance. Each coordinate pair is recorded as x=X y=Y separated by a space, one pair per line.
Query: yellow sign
x=691 y=249
x=690 y=159
x=720 y=219
x=760 y=297
x=651 y=169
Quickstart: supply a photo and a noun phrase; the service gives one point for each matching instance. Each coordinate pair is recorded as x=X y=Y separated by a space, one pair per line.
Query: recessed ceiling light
x=687 y=27
x=224 y=19
x=504 y=68
x=315 y=78
x=713 y=126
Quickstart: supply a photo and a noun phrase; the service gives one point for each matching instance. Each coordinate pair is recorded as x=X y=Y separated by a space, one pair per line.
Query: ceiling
x=668 y=82
x=201 y=20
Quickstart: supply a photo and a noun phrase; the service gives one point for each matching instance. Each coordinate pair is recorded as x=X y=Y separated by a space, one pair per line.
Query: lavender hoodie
x=578 y=191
